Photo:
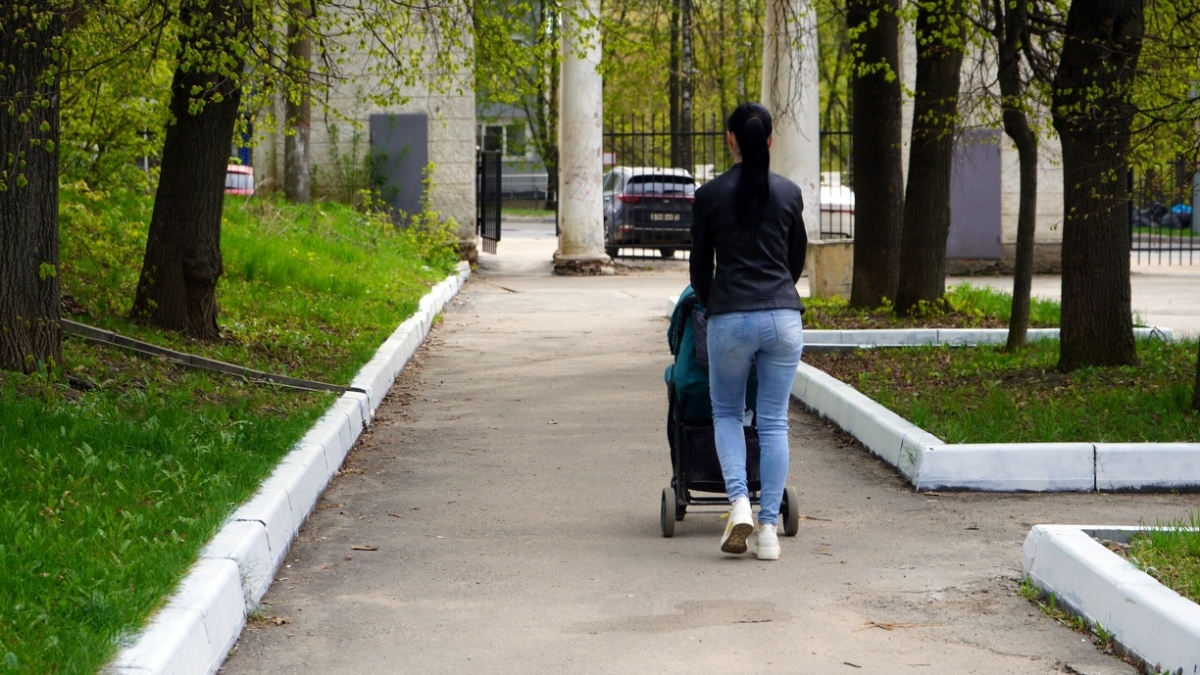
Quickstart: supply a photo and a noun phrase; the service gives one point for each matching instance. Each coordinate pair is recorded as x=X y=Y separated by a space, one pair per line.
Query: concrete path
x=508 y=494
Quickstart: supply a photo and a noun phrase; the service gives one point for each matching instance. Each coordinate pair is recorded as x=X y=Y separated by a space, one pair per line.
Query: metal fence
x=488 y=172
x=1161 y=227
x=648 y=142
x=837 y=186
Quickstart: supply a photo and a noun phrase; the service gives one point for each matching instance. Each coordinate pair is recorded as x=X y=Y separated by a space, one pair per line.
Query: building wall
x=449 y=106
x=1048 y=229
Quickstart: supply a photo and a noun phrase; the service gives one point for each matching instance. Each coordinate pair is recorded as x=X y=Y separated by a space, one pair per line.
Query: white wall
x=449 y=107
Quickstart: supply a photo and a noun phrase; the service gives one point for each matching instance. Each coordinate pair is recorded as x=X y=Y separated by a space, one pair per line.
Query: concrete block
x=332 y=431
x=1149 y=620
x=194 y=632
x=303 y=487
x=245 y=543
x=971 y=336
x=1147 y=466
x=891 y=338
x=800 y=384
x=174 y=638
x=358 y=411
x=882 y=431
x=914 y=443
x=1024 y=467
x=271 y=507
x=311 y=455
x=426 y=305
x=822 y=337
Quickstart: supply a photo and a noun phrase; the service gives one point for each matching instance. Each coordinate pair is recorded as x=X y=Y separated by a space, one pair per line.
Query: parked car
x=837 y=207
x=648 y=207
x=239 y=179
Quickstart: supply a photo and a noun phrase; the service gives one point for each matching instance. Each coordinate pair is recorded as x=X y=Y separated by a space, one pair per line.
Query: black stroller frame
x=694 y=462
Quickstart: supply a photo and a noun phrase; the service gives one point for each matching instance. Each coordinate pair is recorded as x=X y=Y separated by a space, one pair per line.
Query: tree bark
x=1012 y=24
x=177 y=287
x=297 y=168
x=30 y=332
x=876 y=128
x=1093 y=114
x=682 y=141
x=926 y=226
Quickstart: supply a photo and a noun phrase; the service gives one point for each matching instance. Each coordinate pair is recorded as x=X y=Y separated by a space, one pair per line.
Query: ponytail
x=751 y=126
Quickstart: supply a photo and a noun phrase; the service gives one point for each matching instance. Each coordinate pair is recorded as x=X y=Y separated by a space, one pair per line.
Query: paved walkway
x=509 y=493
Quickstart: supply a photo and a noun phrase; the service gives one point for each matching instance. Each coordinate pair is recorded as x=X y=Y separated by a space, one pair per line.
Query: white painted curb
x=931 y=464
x=202 y=620
x=1147 y=619
x=910 y=337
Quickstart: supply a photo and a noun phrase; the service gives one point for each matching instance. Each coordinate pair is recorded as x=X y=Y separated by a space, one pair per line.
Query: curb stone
x=202 y=619
x=1147 y=620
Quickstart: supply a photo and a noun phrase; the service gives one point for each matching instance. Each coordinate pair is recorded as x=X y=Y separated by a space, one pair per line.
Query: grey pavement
x=508 y=493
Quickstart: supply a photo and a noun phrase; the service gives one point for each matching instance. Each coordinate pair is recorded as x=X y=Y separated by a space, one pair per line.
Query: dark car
x=648 y=208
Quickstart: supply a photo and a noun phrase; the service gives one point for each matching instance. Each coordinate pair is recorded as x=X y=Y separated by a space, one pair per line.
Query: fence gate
x=487 y=198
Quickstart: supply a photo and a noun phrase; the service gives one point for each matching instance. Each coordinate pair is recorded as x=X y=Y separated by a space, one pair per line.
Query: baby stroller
x=694 y=463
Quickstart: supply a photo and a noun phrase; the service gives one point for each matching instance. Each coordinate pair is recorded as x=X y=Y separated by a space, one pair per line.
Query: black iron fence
x=837 y=186
x=488 y=172
x=1161 y=227
x=647 y=212
x=639 y=141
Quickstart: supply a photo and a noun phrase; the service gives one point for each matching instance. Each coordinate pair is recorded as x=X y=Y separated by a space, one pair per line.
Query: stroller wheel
x=790 y=511
x=680 y=510
x=666 y=515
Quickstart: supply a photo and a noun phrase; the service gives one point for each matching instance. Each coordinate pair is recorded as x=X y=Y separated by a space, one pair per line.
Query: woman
x=751 y=220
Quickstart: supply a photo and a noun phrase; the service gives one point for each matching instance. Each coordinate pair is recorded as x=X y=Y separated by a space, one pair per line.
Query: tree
x=1093 y=113
x=297 y=166
x=1012 y=30
x=517 y=62
x=941 y=33
x=177 y=289
x=874 y=29
x=30 y=50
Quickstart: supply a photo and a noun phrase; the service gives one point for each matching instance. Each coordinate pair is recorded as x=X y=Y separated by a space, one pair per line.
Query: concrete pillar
x=790 y=92
x=580 y=144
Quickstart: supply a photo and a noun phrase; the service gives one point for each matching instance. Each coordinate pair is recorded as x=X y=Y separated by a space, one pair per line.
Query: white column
x=580 y=144
x=790 y=92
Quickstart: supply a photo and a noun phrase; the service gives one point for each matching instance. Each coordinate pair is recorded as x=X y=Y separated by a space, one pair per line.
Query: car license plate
x=664 y=216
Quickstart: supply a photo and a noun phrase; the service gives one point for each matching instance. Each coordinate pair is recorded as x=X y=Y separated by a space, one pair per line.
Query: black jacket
x=752 y=273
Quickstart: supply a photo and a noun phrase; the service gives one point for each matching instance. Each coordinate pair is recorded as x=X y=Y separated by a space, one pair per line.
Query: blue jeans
x=772 y=340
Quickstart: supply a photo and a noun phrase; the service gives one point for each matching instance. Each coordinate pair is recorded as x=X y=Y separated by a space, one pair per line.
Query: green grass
x=986 y=395
x=964 y=306
x=107 y=494
x=1171 y=554
x=525 y=211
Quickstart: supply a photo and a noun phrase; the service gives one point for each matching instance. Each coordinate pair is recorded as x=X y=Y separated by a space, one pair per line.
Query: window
x=508 y=138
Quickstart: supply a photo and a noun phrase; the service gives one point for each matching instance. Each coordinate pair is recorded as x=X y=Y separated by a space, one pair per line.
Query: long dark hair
x=750 y=123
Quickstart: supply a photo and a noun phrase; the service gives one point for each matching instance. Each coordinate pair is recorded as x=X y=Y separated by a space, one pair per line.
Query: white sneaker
x=765 y=543
x=740 y=525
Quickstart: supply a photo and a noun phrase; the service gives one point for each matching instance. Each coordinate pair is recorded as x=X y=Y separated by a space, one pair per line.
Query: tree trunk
x=935 y=118
x=297 y=169
x=1092 y=114
x=1012 y=22
x=30 y=332
x=178 y=283
x=682 y=141
x=876 y=127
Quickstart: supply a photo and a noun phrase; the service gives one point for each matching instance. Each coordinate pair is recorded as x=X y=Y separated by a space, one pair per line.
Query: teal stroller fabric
x=689 y=372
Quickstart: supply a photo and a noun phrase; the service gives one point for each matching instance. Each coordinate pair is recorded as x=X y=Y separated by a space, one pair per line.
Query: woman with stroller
x=750 y=220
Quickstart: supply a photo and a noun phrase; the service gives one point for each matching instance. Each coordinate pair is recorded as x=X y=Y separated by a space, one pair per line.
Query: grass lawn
x=985 y=395
x=1171 y=555
x=110 y=486
x=965 y=306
